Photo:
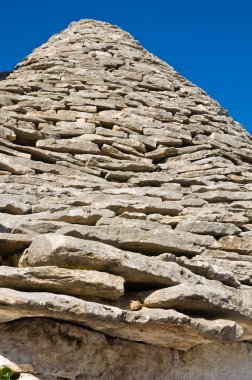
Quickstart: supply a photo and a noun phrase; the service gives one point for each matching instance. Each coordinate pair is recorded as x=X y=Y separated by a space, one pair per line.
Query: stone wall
x=125 y=217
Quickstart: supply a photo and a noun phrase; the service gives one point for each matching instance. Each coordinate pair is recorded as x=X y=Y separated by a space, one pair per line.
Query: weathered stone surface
x=204 y=299
x=226 y=196
x=113 y=167
x=202 y=267
x=6 y=133
x=13 y=166
x=239 y=265
x=242 y=245
x=114 y=357
x=148 y=242
x=69 y=252
x=109 y=163
x=157 y=327
x=78 y=215
x=72 y=282
x=13 y=206
x=26 y=133
x=68 y=129
x=130 y=220
x=124 y=119
x=208 y=228
x=69 y=146
x=131 y=201
x=217 y=214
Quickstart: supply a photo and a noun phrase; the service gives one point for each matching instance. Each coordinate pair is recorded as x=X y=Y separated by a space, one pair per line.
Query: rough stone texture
x=90 y=355
x=68 y=252
x=203 y=299
x=125 y=208
x=80 y=283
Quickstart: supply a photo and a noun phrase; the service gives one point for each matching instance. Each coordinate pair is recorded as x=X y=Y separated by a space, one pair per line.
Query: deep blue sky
x=207 y=41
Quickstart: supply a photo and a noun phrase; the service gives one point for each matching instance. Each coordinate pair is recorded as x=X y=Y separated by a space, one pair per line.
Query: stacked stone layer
x=125 y=204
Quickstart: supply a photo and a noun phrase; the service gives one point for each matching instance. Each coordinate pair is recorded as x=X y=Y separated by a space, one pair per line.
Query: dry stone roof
x=125 y=208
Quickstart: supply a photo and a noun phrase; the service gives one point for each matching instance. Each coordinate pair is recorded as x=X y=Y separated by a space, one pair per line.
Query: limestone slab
x=69 y=146
x=79 y=283
x=69 y=252
x=156 y=327
x=148 y=242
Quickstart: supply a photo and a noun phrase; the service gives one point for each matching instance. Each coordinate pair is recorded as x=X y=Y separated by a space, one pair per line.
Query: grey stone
x=149 y=242
x=6 y=133
x=156 y=327
x=79 y=283
x=226 y=196
x=69 y=252
x=206 y=228
x=68 y=146
x=77 y=215
x=109 y=163
x=12 y=205
x=201 y=266
x=212 y=300
x=69 y=129
x=12 y=166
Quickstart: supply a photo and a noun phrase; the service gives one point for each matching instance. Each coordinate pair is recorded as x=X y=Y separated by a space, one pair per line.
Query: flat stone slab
x=148 y=242
x=69 y=129
x=69 y=146
x=200 y=265
x=12 y=165
x=227 y=196
x=109 y=163
x=79 y=283
x=212 y=299
x=206 y=228
x=69 y=252
x=78 y=215
x=135 y=201
x=243 y=245
x=157 y=327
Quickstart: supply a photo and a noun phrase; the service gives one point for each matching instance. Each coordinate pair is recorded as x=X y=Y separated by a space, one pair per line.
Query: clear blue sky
x=207 y=41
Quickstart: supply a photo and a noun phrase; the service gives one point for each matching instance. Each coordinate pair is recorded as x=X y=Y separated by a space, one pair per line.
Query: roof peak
x=100 y=55
x=92 y=23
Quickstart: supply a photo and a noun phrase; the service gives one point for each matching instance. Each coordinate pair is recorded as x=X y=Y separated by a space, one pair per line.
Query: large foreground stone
x=69 y=252
x=153 y=326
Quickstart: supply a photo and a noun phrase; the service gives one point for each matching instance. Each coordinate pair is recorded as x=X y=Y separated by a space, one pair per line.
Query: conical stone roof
x=125 y=208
